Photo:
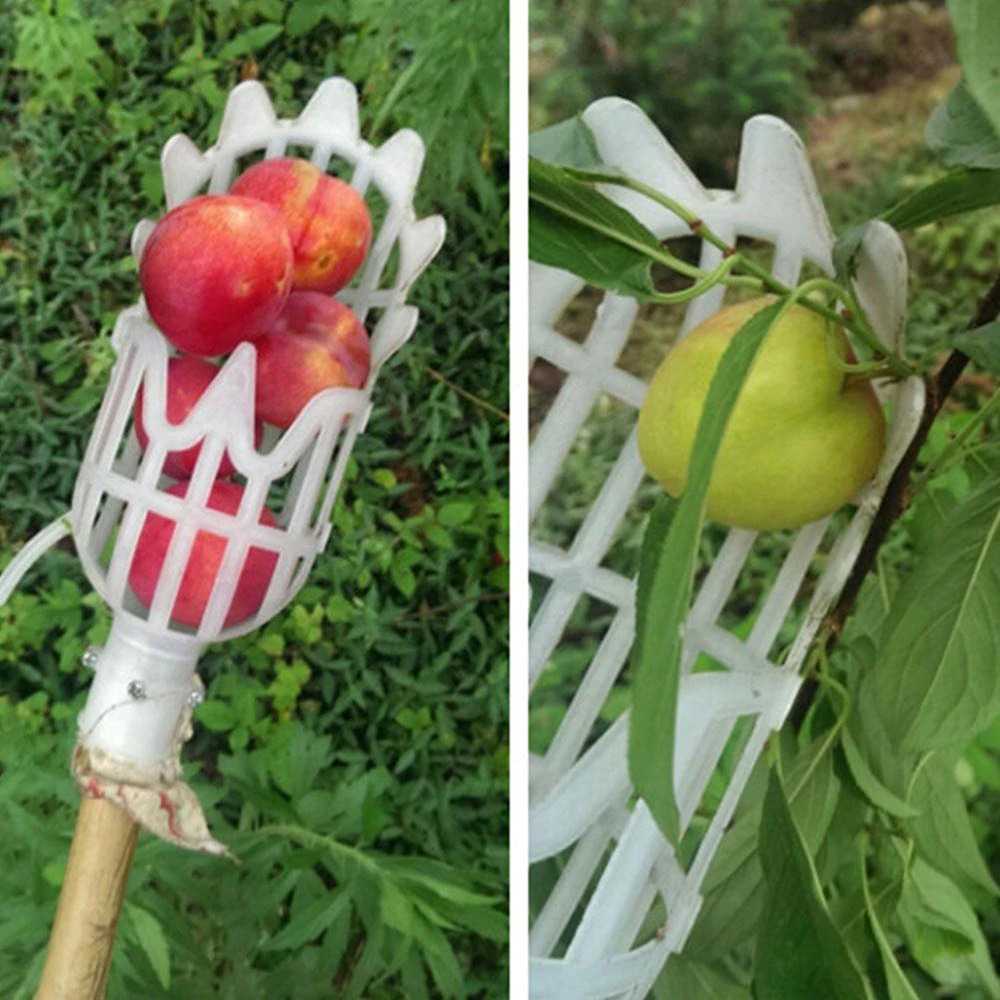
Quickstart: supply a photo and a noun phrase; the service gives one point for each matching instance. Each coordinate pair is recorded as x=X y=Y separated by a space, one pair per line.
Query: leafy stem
x=855 y=320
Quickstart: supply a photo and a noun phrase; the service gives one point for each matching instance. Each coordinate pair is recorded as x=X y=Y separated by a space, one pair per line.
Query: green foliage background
x=704 y=67
x=365 y=727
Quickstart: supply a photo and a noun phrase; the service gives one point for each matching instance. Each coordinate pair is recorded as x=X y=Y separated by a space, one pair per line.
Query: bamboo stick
x=79 y=956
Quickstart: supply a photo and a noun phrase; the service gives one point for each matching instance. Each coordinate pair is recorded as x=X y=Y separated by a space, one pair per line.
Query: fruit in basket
x=187 y=379
x=316 y=343
x=327 y=219
x=216 y=271
x=802 y=439
x=203 y=562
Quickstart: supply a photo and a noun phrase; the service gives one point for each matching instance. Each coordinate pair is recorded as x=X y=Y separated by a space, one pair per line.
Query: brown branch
x=465 y=394
x=896 y=497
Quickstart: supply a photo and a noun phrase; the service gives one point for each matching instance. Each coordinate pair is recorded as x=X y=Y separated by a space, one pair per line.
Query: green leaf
x=404 y=578
x=397 y=911
x=865 y=779
x=568 y=143
x=250 y=40
x=8 y=176
x=340 y=609
x=309 y=922
x=942 y=830
x=935 y=682
x=845 y=252
x=685 y=978
x=574 y=227
x=961 y=191
x=800 y=954
x=732 y=888
x=455 y=513
x=942 y=931
x=272 y=643
x=664 y=592
x=899 y=985
x=978 y=36
x=216 y=715
x=305 y=15
x=982 y=345
x=149 y=933
x=960 y=132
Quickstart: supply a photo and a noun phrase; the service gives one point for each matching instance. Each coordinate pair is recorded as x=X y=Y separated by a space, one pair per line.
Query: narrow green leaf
x=960 y=132
x=942 y=830
x=865 y=779
x=568 y=143
x=397 y=910
x=440 y=957
x=961 y=191
x=665 y=594
x=977 y=32
x=899 y=985
x=732 y=889
x=982 y=345
x=305 y=15
x=412 y=977
x=574 y=227
x=845 y=252
x=935 y=682
x=250 y=40
x=942 y=931
x=149 y=933
x=685 y=978
x=800 y=954
x=310 y=922
x=455 y=513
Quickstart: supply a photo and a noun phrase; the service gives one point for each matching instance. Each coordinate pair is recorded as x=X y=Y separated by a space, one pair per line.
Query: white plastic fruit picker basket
x=614 y=861
x=144 y=688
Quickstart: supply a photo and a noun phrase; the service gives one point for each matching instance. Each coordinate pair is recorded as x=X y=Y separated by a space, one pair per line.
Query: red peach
x=327 y=219
x=187 y=379
x=216 y=271
x=317 y=343
x=203 y=563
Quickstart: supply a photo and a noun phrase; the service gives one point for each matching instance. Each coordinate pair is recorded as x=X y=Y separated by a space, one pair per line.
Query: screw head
x=137 y=690
x=195 y=698
x=90 y=657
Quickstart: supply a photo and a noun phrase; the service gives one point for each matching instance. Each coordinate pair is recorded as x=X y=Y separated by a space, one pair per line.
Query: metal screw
x=195 y=698
x=90 y=657
x=137 y=690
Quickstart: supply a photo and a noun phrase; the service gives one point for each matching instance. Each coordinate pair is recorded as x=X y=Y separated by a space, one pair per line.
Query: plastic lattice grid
x=591 y=936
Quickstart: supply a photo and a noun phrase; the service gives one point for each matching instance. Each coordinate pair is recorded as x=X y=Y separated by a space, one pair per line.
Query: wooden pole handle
x=76 y=967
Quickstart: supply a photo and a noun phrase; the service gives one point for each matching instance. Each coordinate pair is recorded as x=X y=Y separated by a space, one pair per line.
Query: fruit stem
x=702 y=285
x=856 y=323
x=896 y=366
x=696 y=225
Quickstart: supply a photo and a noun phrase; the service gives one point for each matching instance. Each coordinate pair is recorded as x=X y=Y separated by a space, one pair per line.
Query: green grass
x=373 y=711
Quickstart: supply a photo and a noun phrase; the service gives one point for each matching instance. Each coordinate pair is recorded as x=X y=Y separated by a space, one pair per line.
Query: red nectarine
x=203 y=563
x=187 y=379
x=327 y=219
x=317 y=343
x=216 y=271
